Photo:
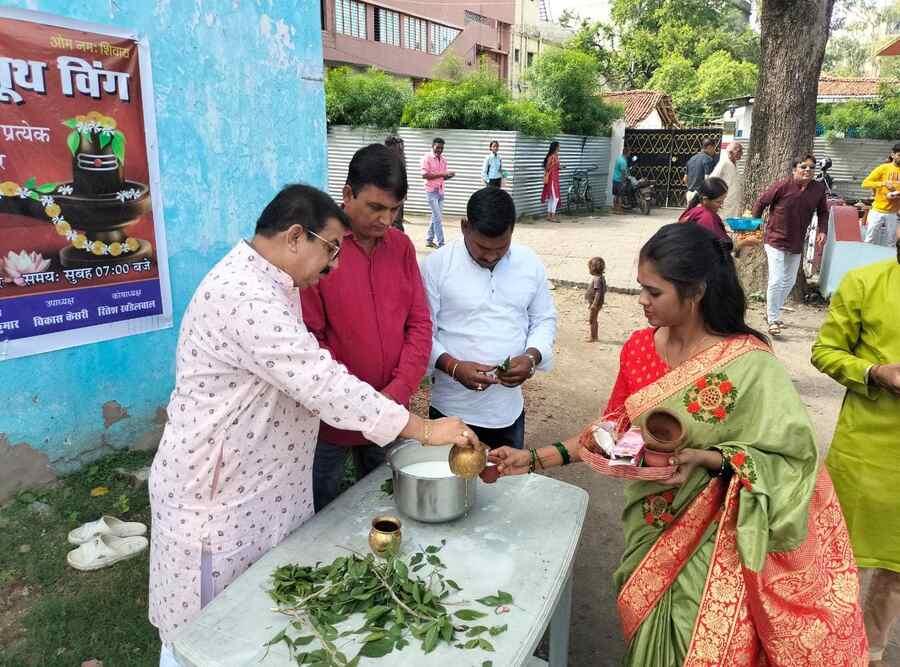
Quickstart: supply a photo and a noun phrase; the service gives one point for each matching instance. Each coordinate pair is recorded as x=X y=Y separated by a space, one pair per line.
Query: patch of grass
x=73 y=616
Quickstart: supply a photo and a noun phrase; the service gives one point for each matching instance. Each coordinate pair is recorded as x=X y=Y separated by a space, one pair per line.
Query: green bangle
x=533 y=460
x=563 y=452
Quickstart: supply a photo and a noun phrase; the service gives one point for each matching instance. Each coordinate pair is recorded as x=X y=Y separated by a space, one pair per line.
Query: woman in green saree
x=740 y=556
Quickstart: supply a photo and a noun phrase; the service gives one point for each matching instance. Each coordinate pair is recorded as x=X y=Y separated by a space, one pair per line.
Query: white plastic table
x=520 y=537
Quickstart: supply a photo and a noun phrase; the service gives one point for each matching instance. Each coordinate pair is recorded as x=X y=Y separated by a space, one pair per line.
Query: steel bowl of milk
x=424 y=487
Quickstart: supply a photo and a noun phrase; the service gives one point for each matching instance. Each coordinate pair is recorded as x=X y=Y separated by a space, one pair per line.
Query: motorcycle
x=637 y=194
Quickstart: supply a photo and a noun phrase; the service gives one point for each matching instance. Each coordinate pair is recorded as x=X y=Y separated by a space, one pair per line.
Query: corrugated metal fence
x=852 y=160
x=465 y=151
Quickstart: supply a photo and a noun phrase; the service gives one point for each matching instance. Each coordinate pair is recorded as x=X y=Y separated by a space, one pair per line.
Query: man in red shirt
x=372 y=315
x=791 y=203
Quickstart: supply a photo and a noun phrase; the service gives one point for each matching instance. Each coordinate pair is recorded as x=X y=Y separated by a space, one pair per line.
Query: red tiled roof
x=892 y=49
x=639 y=103
x=841 y=86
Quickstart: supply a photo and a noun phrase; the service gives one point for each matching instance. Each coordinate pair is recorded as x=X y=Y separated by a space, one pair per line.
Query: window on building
x=441 y=37
x=516 y=55
x=322 y=12
x=387 y=26
x=414 y=33
x=529 y=58
x=350 y=18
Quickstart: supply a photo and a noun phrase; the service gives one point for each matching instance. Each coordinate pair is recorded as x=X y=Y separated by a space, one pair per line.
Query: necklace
x=690 y=353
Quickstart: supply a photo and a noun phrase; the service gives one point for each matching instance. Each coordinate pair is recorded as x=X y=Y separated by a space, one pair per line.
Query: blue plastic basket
x=744 y=224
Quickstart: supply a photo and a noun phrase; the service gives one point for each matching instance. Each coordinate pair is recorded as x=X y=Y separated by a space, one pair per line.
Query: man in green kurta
x=859 y=346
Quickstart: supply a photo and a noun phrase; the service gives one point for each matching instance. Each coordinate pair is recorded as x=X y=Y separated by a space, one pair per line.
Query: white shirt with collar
x=485 y=316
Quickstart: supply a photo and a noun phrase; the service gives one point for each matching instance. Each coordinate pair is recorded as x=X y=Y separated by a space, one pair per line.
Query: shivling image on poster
x=82 y=244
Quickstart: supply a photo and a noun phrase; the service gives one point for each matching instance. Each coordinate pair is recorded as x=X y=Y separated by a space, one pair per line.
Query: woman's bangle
x=722 y=468
x=537 y=456
x=533 y=461
x=563 y=452
x=427 y=436
x=453 y=370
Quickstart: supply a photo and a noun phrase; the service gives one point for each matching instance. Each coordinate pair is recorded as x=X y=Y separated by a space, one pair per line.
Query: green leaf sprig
x=396 y=604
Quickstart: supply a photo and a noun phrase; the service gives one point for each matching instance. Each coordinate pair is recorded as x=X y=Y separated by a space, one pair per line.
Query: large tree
x=793 y=38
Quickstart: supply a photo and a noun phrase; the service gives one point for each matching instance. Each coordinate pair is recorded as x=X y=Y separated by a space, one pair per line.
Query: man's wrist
x=871 y=376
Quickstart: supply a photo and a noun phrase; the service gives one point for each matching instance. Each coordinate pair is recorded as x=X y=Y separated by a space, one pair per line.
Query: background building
x=409 y=38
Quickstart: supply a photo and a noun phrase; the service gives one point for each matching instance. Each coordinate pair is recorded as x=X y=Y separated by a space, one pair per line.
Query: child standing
x=595 y=294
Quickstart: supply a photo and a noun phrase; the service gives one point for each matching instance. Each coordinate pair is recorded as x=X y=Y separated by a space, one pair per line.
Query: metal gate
x=662 y=156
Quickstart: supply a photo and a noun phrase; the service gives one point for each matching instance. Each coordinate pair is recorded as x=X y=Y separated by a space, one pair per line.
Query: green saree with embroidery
x=754 y=568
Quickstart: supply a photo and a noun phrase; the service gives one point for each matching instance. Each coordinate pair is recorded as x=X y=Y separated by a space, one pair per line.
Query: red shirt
x=705 y=218
x=791 y=210
x=372 y=315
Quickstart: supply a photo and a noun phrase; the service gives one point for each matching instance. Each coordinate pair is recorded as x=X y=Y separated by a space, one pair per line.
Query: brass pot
x=467 y=462
x=385 y=535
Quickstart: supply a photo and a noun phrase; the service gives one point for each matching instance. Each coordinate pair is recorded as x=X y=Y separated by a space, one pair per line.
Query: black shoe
x=429 y=244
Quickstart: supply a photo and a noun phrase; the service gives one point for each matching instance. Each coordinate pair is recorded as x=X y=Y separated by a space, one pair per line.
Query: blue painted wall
x=240 y=112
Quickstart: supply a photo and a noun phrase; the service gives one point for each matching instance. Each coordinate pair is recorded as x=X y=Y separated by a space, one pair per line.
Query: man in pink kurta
x=233 y=474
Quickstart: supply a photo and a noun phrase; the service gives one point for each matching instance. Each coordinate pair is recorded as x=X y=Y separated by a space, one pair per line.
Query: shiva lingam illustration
x=92 y=210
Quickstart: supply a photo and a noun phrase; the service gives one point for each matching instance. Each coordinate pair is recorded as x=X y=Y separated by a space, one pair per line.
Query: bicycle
x=579 y=193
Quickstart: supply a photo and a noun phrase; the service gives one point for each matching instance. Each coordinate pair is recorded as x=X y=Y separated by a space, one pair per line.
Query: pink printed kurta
x=233 y=474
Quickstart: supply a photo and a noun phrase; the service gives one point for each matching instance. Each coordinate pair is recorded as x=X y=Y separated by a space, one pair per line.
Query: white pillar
x=616 y=144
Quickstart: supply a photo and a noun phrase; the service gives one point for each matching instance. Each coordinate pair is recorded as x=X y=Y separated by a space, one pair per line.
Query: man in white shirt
x=489 y=302
x=726 y=169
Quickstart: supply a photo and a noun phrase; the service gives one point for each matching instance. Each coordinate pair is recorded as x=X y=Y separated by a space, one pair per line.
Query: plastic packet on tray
x=620 y=457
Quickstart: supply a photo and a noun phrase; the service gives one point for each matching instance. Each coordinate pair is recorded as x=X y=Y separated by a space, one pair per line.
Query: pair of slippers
x=104 y=542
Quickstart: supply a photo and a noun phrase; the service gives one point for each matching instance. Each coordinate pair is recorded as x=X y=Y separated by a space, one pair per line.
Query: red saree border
x=690 y=371
x=723 y=613
x=662 y=564
x=801 y=610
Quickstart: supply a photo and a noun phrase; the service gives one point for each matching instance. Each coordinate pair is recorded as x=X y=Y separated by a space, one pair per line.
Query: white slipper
x=106 y=525
x=104 y=550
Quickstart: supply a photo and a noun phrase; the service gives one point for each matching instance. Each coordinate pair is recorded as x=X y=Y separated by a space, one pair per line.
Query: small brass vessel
x=467 y=462
x=385 y=535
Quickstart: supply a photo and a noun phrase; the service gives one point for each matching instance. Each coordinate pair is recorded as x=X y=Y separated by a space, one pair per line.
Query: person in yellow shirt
x=859 y=346
x=881 y=225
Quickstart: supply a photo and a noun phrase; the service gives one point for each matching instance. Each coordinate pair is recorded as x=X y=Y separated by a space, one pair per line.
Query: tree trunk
x=793 y=38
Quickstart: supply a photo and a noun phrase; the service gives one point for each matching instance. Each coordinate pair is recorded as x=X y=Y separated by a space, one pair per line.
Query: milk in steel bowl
x=424 y=487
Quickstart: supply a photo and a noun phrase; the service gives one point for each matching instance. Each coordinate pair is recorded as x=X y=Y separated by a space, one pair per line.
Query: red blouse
x=639 y=366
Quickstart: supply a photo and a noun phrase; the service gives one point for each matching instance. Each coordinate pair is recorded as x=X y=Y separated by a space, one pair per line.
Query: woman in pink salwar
x=233 y=474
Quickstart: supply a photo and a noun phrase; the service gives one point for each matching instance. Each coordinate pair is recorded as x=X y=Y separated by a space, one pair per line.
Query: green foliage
x=677 y=37
x=364 y=99
x=395 y=604
x=476 y=101
x=694 y=90
x=865 y=120
x=565 y=82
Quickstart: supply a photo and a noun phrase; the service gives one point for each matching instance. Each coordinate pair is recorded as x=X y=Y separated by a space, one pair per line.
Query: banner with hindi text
x=82 y=242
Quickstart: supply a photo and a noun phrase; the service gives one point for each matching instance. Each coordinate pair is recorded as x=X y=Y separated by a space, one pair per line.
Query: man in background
x=881 y=223
x=726 y=169
x=699 y=167
x=792 y=202
x=435 y=172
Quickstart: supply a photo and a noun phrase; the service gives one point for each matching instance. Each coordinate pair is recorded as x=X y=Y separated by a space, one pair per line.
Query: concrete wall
x=240 y=112
x=465 y=151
